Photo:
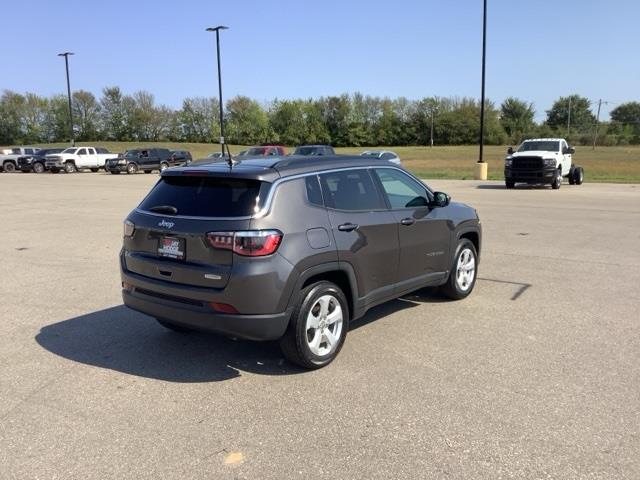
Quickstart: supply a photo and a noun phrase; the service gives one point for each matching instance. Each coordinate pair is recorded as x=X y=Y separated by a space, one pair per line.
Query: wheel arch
x=341 y=274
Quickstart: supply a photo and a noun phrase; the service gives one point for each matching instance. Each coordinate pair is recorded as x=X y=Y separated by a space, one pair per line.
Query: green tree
x=11 y=121
x=247 y=123
x=286 y=121
x=516 y=117
x=625 y=123
x=582 y=119
x=198 y=120
x=86 y=115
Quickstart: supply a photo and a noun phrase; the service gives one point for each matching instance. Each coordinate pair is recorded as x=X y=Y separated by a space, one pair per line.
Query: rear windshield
x=207 y=196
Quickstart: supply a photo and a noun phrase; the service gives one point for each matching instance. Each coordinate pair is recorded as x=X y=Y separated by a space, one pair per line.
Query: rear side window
x=314 y=195
x=350 y=190
x=207 y=196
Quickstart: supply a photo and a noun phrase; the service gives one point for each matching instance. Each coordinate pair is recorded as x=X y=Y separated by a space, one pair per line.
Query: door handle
x=408 y=221
x=347 y=227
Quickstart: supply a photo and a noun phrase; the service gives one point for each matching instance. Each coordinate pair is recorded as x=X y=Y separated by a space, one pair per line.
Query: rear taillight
x=252 y=243
x=129 y=228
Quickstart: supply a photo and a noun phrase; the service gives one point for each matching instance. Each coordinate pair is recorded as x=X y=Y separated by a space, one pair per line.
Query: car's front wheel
x=70 y=167
x=38 y=167
x=464 y=271
x=132 y=168
x=557 y=181
x=318 y=326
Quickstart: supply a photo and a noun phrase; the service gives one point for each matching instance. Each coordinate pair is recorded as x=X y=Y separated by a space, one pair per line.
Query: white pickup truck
x=9 y=157
x=542 y=161
x=74 y=159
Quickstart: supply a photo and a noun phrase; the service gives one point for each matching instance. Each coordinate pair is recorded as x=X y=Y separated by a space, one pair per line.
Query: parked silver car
x=382 y=155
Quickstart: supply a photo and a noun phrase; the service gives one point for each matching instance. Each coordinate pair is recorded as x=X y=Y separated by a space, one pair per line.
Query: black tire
x=509 y=184
x=70 y=167
x=94 y=170
x=9 y=167
x=571 y=175
x=455 y=288
x=174 y=327
x=114 y=172
x=38 y=167
x=557 y=182
x=163 y=166
x=132 y=168
x=54 y=170
x=147 y=171
x=295 y=342
x=578 y=176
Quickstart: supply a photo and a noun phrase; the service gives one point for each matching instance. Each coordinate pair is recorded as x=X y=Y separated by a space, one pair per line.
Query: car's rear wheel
x=571 y=176
x=70 y=167
x=578 y=176
x=114 y=172
x=557 y=181
x=9 y=167
x=173 y=326
x=38 y=167
x=464 y=271
x=94 y=170
x=132 y=168
x=318 y=326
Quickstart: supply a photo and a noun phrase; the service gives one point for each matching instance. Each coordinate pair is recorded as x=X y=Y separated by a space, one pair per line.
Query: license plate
x=171 y=247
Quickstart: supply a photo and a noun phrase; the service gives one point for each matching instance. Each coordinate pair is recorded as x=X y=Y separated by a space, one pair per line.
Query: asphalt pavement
x=536 y=375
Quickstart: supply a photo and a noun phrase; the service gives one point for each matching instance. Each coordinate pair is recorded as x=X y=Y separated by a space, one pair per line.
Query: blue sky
x=537 y=50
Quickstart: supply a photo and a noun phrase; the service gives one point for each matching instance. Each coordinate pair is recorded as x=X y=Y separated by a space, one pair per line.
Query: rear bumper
x=544 y=175
x=157 y=299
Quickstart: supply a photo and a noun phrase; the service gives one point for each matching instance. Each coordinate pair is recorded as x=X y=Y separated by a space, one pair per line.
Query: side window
x=91 y=151
x=82 y=151
x=401 y=190
x=314 y=194
x=350 y=190
x=28 y=150
x=563 y=146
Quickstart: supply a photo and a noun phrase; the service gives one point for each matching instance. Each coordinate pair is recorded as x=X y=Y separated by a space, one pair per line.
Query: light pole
x=481 y=165
x=484 y=54
x=217 y=30
x=66 y=64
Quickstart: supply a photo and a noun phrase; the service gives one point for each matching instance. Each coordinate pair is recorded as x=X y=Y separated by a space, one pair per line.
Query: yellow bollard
x=480 y=172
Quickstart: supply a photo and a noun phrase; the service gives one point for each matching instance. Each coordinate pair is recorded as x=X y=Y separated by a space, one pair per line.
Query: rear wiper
x=168 y=209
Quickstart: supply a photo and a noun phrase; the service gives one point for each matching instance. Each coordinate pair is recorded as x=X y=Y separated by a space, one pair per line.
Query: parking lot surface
x=535 y=375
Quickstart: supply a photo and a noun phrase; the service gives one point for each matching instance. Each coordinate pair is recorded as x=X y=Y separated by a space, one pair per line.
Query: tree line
x=345 y=120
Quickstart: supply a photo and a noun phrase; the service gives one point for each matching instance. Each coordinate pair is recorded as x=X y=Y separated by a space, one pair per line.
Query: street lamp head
x=64 y=54
x=215 y=29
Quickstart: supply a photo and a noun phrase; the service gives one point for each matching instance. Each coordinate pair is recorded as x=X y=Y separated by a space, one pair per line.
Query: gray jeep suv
x=292 y=248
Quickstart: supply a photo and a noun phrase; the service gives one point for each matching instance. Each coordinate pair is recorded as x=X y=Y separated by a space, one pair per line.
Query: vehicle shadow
x=520 y=186
x=120 y=339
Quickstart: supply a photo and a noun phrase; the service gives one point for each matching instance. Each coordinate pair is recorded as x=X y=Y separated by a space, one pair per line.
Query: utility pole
x=569 y=120
x=595 y=132
x=66 y=64
x=433 y=113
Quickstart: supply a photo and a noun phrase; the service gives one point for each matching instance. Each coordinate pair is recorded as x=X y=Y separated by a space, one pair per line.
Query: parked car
x=74 y=159
x=36 y=162
x=264 y=150
x=215 y=155
x=382 y=155
x=9 y=157
x=314 y=150
x=292 y=248
x=145 y=159
x=542 y=161
x=180 y=157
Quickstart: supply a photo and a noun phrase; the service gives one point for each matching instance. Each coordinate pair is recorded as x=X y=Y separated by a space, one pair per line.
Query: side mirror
x=571 y=150
x=510 y=150
x=440 y=199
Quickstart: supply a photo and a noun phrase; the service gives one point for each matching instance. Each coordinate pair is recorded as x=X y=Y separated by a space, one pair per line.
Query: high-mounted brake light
x=251 y=243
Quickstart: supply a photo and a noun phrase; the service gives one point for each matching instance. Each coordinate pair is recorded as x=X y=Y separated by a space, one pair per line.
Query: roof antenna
x=230 y=161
